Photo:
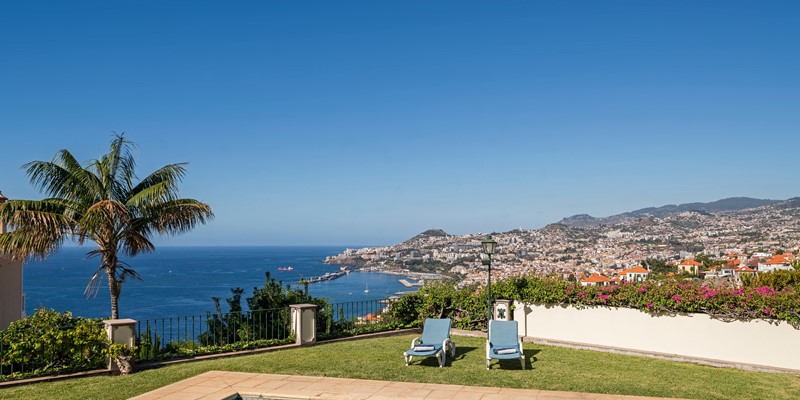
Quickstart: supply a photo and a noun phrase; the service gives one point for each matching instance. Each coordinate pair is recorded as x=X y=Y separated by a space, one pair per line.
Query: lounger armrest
x=444 y=344
x=415 y=342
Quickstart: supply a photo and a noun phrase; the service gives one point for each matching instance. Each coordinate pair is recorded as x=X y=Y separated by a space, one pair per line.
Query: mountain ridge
x=727 y=204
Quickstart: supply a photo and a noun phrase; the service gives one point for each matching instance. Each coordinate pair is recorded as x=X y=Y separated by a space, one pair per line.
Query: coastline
x=181 y=281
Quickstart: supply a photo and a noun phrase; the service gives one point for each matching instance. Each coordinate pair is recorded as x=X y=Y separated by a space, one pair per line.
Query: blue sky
x=368 y=122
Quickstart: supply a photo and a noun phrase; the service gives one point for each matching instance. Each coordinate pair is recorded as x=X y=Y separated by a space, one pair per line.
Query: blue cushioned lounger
x=504 y=343
x=435 y=341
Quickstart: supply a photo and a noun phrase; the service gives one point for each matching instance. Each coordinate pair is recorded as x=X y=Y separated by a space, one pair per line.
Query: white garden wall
x=757 y=343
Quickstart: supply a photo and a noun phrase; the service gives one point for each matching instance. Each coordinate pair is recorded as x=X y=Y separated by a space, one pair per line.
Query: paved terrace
x=218 y=385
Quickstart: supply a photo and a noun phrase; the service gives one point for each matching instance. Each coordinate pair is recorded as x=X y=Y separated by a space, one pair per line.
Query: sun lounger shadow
x=462 y=351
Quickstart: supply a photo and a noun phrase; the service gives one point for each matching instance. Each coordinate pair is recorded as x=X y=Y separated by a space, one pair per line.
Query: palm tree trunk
x=113 y=285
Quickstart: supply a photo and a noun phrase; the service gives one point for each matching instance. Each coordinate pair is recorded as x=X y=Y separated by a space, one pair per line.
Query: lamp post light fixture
x=489 y=247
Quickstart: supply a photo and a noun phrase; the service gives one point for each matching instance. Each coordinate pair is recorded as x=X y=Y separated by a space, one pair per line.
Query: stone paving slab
x=221 y=385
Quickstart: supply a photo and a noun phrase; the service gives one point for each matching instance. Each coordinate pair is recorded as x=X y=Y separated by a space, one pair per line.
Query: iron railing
x=211 y=333
x=352 y=318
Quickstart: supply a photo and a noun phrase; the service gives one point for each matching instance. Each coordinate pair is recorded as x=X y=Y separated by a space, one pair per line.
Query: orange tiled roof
x=744 y=269
x=778 y=259
x=596 y=278
x=636 y=270
x=691 y=262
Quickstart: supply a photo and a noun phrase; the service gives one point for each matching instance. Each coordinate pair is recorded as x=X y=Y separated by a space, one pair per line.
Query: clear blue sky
x=337 y=122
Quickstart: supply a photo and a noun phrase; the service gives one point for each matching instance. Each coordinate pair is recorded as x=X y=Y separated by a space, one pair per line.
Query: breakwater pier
x=408 y=284
x=327 y=277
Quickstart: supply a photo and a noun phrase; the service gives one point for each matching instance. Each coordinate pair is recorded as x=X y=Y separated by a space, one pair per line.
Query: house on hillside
x=777 y=263
x=12 y=300
x=690 y=266
x=595 y=280
x=635 y=274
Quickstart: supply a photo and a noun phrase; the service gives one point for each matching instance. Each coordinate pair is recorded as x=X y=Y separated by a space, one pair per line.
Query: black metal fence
x=212 y=333
x=353 y=318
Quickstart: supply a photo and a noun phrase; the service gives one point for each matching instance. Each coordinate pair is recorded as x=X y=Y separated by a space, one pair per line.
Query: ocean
x=180 y=281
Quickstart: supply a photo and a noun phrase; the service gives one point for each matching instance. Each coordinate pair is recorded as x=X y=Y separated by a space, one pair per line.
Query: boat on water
x=285 y=269
x=366 y=288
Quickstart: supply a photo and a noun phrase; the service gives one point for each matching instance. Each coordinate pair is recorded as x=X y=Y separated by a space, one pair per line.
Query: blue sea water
x=180 y=281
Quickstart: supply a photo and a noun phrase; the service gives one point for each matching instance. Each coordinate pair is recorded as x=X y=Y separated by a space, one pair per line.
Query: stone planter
x=124 y=364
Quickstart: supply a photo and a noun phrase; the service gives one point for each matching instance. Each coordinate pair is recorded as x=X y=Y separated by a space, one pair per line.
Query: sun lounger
x=435 y=341
x=504 y=343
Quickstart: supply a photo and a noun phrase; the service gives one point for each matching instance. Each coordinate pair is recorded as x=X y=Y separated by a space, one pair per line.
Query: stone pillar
x=502 y=310
x=122 y=331
x=304 y=323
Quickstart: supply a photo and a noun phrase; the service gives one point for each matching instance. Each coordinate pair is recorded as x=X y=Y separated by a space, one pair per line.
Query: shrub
x=51 y=342
x=778 y=280
x=405 y=311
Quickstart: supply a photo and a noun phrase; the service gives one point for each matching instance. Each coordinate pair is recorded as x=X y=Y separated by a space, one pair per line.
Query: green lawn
x=554 y=368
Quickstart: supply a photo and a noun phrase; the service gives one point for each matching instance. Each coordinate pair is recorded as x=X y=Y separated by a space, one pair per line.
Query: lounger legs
x=407 y=358
x=522 y=361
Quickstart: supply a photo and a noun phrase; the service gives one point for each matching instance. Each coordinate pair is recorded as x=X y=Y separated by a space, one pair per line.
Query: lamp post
x=489 y=246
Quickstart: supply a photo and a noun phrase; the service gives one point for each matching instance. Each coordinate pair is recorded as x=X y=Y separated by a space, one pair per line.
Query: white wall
x=695 y=336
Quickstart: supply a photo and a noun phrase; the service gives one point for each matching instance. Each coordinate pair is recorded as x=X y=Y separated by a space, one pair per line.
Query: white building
x=776 y=263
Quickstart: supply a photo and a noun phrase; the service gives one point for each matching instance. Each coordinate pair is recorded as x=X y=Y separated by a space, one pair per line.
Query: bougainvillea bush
x=467 y=305
x=658 y=297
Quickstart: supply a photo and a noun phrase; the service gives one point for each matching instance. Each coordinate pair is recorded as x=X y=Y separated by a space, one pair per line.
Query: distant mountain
x=729 y=204
x=794 y=202
x=427 y=234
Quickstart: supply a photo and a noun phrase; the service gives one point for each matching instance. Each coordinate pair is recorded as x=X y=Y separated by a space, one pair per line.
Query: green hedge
x=50 y=342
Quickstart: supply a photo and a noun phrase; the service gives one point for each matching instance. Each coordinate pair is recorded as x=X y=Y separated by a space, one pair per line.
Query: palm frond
x=62 y=178
x=179 y=216
x=38 y=228
x=94 y=282
x=121 y=166
x=137 y=241
x=161 y=185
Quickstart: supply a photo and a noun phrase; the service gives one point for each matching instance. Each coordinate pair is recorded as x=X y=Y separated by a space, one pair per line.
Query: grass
x=554 y=368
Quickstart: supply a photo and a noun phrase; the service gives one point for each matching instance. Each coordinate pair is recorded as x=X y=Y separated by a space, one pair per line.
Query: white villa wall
x=757 y=343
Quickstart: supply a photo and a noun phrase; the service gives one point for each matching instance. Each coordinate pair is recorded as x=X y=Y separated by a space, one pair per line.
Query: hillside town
x=730 y=243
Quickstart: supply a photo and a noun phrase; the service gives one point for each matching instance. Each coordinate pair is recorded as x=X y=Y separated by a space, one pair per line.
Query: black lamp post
x=489 y=246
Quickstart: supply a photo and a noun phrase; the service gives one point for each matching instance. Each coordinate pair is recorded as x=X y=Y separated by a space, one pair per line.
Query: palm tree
x=99 y=202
